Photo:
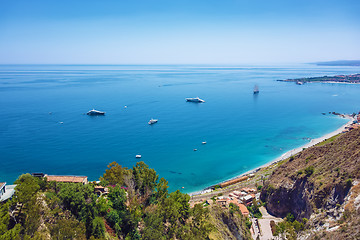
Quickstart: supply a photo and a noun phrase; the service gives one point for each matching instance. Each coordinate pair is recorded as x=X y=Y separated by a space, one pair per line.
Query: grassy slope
x=335 y=164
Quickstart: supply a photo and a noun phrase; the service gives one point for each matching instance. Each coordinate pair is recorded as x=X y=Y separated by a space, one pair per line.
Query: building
x=243 y=209
x=233 y=181
x=248 y=190
x=223 y=202
x=2 y=188
x=70 y=179
x=39 y=175
x=238 y=193
x=247 y=200
x=6 y=191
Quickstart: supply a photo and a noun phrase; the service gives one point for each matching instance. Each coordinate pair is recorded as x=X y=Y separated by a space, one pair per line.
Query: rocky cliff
x=317 y=178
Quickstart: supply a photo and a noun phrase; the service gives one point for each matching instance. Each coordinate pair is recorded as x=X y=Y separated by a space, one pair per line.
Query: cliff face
x=227 y=225
x=317 y=178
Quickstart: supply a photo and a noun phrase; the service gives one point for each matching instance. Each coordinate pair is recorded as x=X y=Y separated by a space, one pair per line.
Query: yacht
x=138 y=156
x=256 y=89
x=152 y=121
x=197 y=100
x=95 y=112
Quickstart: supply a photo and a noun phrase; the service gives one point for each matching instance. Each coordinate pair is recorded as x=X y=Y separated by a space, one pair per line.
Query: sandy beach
x=290 y=152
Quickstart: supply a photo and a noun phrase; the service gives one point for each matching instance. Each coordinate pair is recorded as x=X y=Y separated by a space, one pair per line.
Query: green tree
x=26 y=193
x=26 y=189
x=175 y=211
x=13 y=234
x=309 y=170
x=117 y=196
x=161 y=192
x=4 y=218
x=145 y=178
x=155 y=228
x=98 y=227
x=115 y=174
x=67 y=229
x=199 y=226
x=113 y=217
x=102 y=205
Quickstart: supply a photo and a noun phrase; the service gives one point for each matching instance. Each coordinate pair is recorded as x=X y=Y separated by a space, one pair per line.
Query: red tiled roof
x=243 y=209
x=75 y=179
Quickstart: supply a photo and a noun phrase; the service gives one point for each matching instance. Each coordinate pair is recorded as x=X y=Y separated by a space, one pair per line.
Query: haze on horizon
x=178 y=31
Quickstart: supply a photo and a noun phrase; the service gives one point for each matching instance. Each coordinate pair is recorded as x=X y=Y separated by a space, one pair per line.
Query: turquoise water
x=242 y=131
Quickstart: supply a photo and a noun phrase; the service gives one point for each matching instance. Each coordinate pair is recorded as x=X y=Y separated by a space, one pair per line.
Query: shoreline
x=286 y=154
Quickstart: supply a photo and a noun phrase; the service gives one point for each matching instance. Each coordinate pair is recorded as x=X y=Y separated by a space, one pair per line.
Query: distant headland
x=353 y=78
x=339 y=63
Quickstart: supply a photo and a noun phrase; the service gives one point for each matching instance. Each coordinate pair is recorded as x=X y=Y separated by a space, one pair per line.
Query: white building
x=6 y=191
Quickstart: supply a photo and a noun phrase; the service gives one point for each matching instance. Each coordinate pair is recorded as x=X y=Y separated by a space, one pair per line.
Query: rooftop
x=10 y=190
x=2 y=184
x=243 y=209
x=75 y=179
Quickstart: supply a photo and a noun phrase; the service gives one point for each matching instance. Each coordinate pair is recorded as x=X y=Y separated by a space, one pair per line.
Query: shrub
x=259 y=187
x=270 y=189
x=290 y=217
x=348 y=183
x=309 y=170
x=248 y=223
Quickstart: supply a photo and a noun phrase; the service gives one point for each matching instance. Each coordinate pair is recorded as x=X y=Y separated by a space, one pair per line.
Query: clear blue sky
x=178 y=31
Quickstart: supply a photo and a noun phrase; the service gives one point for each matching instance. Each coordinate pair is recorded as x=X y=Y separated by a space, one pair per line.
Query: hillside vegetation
x=138 y=206
x=316 y=184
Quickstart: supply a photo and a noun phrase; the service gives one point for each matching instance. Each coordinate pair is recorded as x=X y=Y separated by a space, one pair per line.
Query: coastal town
x=352 y=78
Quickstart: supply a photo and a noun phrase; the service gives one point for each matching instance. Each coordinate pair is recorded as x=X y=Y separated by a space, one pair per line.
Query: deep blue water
x=242 y=131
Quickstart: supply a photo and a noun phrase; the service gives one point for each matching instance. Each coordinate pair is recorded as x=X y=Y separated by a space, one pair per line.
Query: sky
x=178 y=31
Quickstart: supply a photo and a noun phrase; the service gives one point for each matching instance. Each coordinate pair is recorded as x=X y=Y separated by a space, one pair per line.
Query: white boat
x=197 y=100
x=138 y=156
x=256 y=89
x=152 y=121
x=95 y=112
x=204 y=142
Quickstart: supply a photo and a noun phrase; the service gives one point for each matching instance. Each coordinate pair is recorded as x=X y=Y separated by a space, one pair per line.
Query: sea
x=44 y=126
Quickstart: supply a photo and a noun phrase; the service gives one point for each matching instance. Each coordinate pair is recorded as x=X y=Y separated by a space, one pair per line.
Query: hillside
x=126 y=204
x=316 y=184
x=353 y=78
x=339 y=63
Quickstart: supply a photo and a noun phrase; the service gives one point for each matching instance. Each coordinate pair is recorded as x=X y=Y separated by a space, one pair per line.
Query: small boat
x=195 y=149
x=204 y=142
x=138 y=156
x=152 y=121
x=299 y=83
x=256 y=89
x=95 y=112
x=196 y=100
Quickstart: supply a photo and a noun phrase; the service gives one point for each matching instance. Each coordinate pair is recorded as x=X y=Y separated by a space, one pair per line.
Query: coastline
x=288 y=153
